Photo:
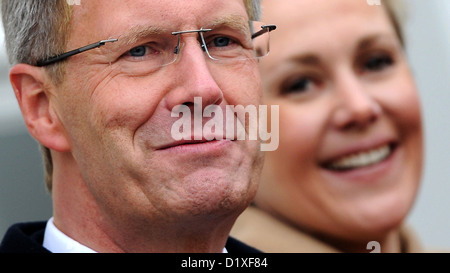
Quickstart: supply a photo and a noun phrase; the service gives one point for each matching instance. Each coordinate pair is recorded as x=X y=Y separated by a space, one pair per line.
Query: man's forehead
x=110 y=11
x=113 y=17
x=137 y=32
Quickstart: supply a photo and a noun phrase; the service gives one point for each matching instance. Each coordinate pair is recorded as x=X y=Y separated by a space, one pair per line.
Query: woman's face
x=350 y=156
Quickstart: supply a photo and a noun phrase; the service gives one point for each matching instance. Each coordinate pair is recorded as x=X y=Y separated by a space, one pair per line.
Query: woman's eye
x=378 y=63
x=298 y=85
x=138 y=51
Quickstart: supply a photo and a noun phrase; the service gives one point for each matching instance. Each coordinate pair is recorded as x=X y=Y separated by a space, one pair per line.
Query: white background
x=23 y=198
x=429 y=51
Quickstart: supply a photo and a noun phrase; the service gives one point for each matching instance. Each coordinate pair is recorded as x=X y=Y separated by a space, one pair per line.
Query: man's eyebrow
x=136 y=34
x=139 y=32
x=232 y=21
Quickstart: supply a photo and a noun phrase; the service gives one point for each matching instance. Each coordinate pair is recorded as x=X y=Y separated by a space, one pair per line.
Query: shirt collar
x=58 y=242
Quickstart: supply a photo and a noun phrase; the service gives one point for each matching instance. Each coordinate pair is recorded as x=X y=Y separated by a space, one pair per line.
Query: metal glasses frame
x=63 y=56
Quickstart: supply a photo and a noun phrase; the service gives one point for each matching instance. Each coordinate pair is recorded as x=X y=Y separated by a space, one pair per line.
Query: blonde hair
x=397 y=12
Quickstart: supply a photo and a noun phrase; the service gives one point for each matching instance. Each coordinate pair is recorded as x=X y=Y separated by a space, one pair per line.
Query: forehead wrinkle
x=232 y=21
x=137 y=33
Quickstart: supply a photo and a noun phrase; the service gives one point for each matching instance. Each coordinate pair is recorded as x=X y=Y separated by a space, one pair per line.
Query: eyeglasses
x=227 y=43
x=61 y=57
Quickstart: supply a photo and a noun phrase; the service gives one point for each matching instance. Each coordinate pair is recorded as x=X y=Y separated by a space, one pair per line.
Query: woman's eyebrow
x=370 y=40
x=307 y=59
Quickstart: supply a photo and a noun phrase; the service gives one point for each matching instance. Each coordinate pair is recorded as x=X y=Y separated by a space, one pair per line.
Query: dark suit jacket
x=28 y=238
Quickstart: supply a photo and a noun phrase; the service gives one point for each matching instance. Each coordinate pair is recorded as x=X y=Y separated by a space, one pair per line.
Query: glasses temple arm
x=263 y=30
x=63 y=56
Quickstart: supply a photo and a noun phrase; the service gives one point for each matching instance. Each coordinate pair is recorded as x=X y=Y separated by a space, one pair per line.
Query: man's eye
x=138 y=51
x=378 y=63
x=221 y=41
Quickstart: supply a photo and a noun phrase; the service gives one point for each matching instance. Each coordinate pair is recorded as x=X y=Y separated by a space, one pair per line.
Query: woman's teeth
x=361 y=159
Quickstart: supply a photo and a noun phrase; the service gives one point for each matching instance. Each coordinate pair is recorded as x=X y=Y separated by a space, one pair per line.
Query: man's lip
x=185 y=142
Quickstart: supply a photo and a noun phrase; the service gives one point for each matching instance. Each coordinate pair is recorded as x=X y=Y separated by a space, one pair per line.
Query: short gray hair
x=253 y=9
x=38 y=29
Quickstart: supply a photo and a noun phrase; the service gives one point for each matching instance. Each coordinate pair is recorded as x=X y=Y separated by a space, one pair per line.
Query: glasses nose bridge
x=199 y=33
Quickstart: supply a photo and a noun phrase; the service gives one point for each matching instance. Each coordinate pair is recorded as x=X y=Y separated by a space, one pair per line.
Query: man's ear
x=31 y=86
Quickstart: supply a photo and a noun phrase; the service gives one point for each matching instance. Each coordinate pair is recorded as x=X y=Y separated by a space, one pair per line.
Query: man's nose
x=194 y=77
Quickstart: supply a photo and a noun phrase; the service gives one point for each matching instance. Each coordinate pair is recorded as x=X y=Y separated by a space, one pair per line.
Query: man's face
x=119 y=124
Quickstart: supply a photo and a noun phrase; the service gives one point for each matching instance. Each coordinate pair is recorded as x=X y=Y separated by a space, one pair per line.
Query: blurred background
x=23 y=196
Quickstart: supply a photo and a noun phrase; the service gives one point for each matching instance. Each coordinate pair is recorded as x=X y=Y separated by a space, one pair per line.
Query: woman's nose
x=356 y=108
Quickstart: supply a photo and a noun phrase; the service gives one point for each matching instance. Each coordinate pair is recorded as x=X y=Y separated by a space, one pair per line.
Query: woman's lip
x=361 y=159
x=356 y=149
x=378 y=172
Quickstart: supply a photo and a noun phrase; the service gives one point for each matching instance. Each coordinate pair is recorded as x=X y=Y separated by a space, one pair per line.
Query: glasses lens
x=261 y=39
x=231 y=43
x=145 y=56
